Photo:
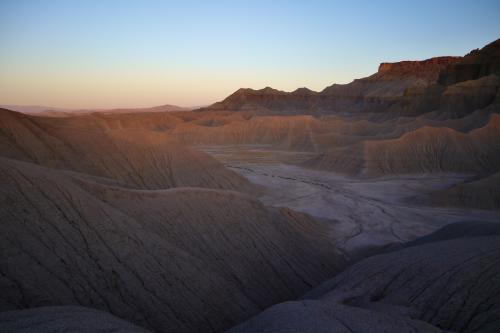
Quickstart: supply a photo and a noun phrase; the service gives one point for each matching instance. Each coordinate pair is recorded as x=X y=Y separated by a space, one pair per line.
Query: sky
x=122 y=53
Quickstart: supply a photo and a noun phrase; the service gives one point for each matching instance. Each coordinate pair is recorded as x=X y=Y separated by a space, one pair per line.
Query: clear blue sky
x=106 y=53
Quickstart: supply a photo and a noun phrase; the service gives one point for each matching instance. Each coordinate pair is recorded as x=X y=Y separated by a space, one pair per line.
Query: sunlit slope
x=135 y=156
x=427 y=149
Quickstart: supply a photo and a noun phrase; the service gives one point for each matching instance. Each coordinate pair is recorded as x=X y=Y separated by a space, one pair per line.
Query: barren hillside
x=439 y=285
x=136 y=157
x=165 y=259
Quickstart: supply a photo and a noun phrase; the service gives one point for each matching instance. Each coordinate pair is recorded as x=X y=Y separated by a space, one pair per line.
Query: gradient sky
x=105 y=53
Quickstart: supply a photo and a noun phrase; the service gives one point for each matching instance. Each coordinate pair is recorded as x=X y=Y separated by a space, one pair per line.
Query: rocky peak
x=269 y=90
x=410 y=66
x=303 y=92
x=427 y=70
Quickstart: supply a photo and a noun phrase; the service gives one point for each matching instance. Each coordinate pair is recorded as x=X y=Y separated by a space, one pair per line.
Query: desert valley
x=372 y=206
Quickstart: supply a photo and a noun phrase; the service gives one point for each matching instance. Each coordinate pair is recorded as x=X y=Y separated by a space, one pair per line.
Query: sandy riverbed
x=362 y=212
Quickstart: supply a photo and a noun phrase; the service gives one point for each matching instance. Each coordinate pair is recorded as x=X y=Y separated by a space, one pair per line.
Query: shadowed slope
x=75 y=319
x=478 y=193
x=449 y=285
x=175 y=260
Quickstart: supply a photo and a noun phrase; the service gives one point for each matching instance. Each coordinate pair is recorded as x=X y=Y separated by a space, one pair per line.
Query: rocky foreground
x=446 y=282
x=442 y=283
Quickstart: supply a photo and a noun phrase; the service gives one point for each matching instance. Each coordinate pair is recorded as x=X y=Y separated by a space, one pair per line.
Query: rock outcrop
x=476 y=64
x=469 y=84
x=427 y=70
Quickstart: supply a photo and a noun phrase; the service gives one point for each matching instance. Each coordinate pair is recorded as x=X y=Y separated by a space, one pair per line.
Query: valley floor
x=363 y=213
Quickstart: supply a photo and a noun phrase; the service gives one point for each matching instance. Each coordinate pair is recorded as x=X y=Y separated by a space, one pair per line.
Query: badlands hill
x=359 y=145
x=426 y=149
x=168 y=260
x=136 y=158
x=444 y=283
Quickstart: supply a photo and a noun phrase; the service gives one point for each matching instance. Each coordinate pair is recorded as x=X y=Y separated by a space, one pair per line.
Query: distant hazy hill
x=50 y=111
x=31 y=108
